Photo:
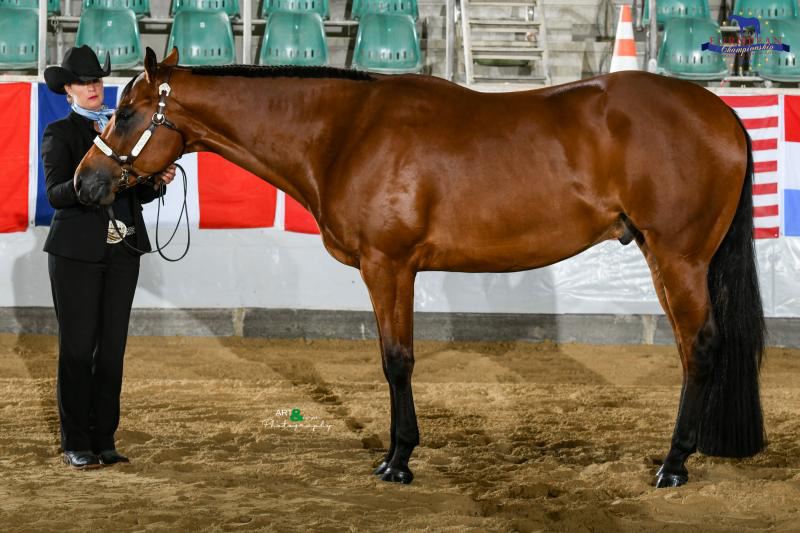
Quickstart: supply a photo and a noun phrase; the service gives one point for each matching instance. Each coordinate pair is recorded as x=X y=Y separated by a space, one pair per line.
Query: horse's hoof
x=665 y=480
x=397 y=476
x=381 y=469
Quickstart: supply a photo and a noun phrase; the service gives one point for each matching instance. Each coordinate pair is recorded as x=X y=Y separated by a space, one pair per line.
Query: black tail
x=732 y=423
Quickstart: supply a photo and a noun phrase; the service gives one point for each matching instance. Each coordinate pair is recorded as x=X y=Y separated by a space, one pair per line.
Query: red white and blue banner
x=791 y=177
x=223 y=196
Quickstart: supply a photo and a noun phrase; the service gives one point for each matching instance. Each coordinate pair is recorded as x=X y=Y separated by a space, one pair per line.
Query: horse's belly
x=522 y=252
x=499 y=238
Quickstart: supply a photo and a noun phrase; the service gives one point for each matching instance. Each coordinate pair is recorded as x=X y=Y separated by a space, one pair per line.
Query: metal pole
x=247 y=31
x=42 y=38
x=652 y=63
x=450 y=39
x=465 y=37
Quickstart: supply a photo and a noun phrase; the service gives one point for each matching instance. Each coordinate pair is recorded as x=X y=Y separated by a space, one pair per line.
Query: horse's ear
x=150 y=63
x=172 y=58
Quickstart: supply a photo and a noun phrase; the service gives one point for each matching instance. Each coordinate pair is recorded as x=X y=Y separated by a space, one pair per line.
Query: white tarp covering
x=276 y=269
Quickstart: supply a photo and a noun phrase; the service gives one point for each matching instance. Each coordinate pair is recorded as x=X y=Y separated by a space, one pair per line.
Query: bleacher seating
x=230 y=7
x=667 y=9
x=680 y=53
x=379 y=45
x=391 y=7
x=202 y=37
x=53 y=6
x=780 y=66
x=112 y=30
x=766 y=9
x=319 y=7
x=19 y=37
x=141 y=8
x=388 y=44
x=294 y=39
x=386 y=40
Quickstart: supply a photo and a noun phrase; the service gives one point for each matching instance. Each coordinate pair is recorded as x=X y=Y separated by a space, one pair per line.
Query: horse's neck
x=279 y=129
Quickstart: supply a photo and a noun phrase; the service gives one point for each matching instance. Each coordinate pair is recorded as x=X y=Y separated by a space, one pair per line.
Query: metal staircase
x=505 y=41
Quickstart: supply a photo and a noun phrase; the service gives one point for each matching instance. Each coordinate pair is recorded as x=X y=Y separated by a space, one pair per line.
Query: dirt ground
x=515 y=437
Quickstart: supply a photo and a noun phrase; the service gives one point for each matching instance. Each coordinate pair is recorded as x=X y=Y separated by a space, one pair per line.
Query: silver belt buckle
x=113 y=237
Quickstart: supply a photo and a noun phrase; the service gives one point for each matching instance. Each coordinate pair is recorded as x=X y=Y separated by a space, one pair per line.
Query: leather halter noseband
x=158 y=119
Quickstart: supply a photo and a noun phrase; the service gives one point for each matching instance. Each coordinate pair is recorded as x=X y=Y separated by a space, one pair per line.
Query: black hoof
x=397 y=476
x=665 y=480
x=381 y=468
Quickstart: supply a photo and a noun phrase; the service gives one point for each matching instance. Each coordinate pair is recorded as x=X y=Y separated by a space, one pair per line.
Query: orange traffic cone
x=624 y=57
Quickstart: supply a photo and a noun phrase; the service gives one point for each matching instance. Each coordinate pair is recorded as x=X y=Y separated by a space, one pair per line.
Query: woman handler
x=92 y=277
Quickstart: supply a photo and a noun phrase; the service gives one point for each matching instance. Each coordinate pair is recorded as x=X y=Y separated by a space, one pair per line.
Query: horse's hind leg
x=682 y=288
x=391 y=288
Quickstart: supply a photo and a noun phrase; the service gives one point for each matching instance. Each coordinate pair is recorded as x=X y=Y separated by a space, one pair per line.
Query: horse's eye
x=124 y=114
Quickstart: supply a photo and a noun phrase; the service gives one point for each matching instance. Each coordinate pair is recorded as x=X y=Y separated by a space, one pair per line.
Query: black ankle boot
x=109 y=457
x=81 y=459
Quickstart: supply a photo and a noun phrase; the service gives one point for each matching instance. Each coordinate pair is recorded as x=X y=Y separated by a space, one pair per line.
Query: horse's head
x=139 y=140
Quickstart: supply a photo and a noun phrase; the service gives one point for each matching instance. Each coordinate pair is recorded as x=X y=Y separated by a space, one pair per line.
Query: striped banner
x=760 y=114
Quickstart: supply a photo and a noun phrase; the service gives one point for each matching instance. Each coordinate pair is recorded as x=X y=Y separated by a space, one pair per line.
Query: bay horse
x=413 y=173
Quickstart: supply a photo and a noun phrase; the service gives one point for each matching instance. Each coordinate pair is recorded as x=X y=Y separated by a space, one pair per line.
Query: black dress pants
x=93 y=305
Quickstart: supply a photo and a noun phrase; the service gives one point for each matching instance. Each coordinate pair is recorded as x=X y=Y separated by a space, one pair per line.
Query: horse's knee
x=399 y=363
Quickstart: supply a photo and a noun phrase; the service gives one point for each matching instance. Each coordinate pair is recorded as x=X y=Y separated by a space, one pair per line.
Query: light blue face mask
x=101 y=116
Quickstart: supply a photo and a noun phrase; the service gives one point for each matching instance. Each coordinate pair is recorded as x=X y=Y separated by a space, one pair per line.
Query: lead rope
x=183 y=214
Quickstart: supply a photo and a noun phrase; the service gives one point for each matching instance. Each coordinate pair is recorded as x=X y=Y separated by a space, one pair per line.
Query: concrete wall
x=323 y=324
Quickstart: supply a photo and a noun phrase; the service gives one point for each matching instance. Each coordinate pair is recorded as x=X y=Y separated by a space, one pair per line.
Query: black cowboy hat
x=80 y=64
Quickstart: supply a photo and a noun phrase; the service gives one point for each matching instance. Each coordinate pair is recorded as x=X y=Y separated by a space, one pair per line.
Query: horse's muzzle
x=94 y=190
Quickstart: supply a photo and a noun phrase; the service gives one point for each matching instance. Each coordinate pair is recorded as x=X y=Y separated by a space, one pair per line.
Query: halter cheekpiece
x=158 y=119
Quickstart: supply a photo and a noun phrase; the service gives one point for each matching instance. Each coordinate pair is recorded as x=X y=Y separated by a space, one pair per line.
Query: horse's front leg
x=391 y=288
x=381 y=468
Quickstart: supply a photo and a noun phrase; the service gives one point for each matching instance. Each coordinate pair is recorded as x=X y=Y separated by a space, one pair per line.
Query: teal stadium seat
x=229 y=7
x=766 y=9
x=294 y=39
x=202 y=38
x=320 y=7
x=390 y=7
x=388 y=44
x=668 y=9
x=779 y=66
x=114 y=31
x=680 y=54
x=141 y=8
x=53 y=6
x=19 y=38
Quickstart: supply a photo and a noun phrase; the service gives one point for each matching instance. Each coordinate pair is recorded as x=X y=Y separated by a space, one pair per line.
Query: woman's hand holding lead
x=166 y=176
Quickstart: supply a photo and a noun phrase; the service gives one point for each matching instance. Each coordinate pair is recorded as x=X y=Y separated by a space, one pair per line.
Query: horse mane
x=280 y=71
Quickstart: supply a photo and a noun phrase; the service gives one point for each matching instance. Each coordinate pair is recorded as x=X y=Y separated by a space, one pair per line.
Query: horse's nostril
x=98 y=192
